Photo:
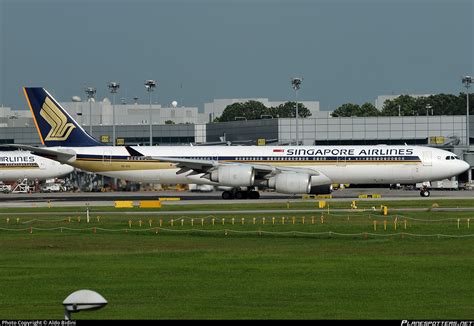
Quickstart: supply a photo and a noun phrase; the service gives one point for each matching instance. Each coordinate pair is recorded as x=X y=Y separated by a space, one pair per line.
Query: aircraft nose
x=463 y=166
x=66 y=169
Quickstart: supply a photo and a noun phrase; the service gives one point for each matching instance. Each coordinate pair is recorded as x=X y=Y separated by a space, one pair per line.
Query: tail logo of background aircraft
x=60 y=128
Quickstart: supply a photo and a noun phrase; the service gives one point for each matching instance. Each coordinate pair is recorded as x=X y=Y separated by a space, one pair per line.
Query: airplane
x=15 y=165
x=285 y=169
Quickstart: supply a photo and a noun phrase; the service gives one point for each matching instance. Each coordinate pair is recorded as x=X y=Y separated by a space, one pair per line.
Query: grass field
x=337 y=267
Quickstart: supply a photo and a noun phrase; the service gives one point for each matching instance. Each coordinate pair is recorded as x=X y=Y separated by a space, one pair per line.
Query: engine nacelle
x=291 y=183
x=234 y=175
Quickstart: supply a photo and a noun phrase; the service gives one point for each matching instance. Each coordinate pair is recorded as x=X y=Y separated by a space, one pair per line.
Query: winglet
x=54 y=125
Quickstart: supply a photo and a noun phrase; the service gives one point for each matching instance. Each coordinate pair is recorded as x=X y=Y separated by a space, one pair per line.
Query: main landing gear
x=424 y=192
x=237 y=193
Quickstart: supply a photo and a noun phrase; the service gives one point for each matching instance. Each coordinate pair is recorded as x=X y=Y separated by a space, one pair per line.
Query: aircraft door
x=340 y=165
x=107 y=158
x=41 y=164
x=427 y=160
x=341 y=161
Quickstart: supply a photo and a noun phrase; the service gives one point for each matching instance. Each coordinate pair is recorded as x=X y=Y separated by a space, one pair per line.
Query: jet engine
x=291 y=183
x=232 y=175
x=320 y=185
x=300 y=183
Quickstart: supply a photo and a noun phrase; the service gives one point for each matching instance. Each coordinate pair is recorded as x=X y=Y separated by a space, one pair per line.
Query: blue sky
x=346 y=51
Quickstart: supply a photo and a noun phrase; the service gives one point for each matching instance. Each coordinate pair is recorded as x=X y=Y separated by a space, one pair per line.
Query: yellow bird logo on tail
x=60 y=128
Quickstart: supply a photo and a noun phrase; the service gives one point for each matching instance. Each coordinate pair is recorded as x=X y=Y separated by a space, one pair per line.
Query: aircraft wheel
x=240 y=195
x=425 y=193
x=227 y=195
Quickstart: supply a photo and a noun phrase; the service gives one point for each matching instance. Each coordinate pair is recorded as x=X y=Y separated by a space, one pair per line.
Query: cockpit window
x=452 y=158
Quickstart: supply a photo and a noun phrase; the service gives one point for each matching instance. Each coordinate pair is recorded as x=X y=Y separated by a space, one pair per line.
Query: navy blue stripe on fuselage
x=332 y=159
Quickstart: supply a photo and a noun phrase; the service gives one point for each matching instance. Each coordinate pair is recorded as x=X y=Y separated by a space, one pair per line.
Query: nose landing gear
x=424 y=192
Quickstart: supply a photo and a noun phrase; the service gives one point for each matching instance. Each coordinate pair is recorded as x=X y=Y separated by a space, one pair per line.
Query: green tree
x=447 y=104
x=439 y=104
x=250 y=110
x=288 y=110
x=169 y=122
x=346 y=110
x=471 y=103
x=354 y=110
x=405 y=103
x=368 y=110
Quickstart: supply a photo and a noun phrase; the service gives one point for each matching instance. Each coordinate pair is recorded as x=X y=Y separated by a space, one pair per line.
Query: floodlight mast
x=296 y=83
x=90 y=91
x=428 y=107
x=113 y=86
x=150 y=86
x=467 y=81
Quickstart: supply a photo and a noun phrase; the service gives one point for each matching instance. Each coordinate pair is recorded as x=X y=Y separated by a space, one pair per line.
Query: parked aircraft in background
x=15 y=165
x=286 y=169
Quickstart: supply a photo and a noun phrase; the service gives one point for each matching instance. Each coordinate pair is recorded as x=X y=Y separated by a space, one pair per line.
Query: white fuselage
x=16 y=165
x=380 y=164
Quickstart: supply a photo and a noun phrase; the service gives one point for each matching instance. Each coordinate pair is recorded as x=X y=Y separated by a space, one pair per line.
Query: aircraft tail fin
x=54 y=125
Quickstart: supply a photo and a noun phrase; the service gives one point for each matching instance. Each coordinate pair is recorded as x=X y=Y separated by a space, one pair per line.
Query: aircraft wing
x=205 y=166
x=62 y=156
x=263 y=171
x=198 y=166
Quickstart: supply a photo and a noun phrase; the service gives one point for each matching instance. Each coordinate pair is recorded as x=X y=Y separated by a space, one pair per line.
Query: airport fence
x=335 y=225
x=229 y=232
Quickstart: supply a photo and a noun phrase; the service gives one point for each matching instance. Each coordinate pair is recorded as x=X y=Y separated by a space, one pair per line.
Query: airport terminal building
x=133 y=128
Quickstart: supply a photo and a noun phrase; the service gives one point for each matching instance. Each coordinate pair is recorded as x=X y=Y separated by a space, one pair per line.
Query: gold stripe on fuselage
x=122 y=165
x=99 y=165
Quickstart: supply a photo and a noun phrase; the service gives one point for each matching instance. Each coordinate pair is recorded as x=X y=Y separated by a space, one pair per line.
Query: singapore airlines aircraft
x=16 y=165
x=286 y=169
